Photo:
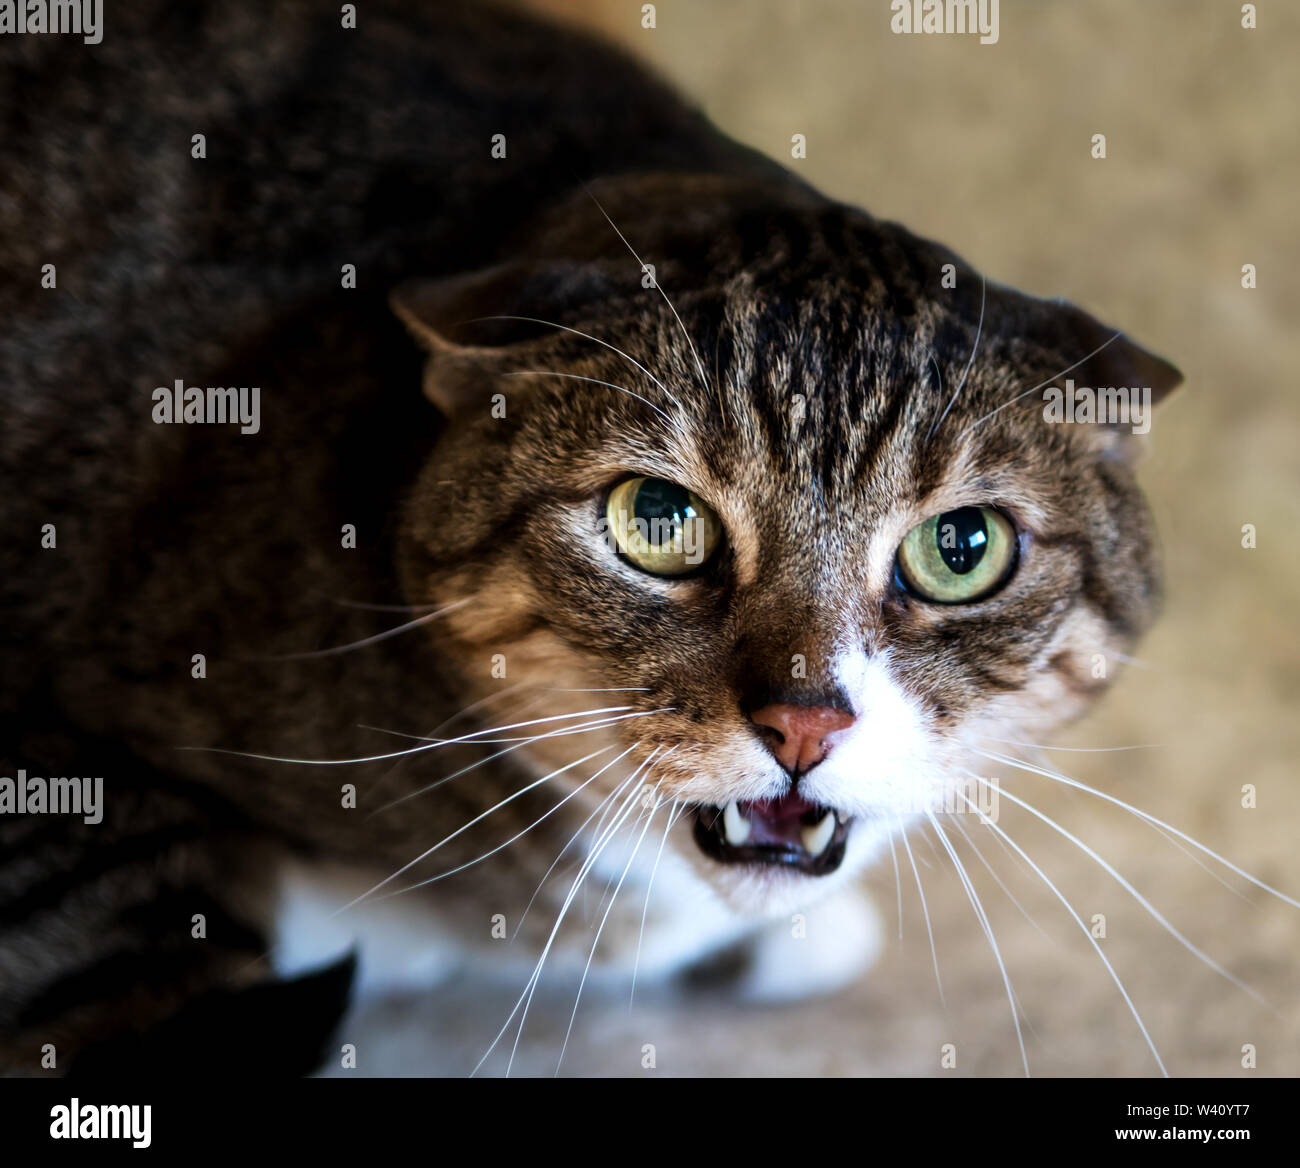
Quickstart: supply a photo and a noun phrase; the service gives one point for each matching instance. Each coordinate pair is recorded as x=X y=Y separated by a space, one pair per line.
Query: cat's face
x=774 y=532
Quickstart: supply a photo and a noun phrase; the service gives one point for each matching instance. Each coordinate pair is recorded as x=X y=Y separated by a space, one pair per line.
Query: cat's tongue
x=789 y=831
x=780 y=821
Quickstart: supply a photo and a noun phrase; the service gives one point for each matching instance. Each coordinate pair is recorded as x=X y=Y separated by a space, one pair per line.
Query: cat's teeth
x=816 y=838
x=736 y=825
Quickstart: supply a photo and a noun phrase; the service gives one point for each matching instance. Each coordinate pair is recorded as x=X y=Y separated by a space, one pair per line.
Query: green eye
x=662 y=527
x=958 y=556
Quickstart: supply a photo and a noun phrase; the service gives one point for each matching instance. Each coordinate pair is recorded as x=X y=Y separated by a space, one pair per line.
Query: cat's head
x=809 y=527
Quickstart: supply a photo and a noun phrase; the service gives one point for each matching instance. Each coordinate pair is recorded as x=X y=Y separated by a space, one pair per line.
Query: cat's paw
x=400 y=943
x=818 y=950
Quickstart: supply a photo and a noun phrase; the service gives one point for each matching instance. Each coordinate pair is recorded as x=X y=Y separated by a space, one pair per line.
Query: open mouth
x=789 y=831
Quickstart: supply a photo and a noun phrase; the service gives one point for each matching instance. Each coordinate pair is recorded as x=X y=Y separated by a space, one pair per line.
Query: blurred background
x=987 y=148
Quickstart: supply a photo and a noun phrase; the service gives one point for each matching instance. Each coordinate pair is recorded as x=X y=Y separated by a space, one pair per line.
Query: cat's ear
x=438 y=312
x=485 y=322
x=1113 y=358
x=1108 y=360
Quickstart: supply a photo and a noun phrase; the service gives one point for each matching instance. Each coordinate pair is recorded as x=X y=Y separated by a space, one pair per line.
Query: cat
x=618 y=512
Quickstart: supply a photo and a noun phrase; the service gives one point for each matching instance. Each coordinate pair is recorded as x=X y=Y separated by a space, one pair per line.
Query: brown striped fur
x=372 y=148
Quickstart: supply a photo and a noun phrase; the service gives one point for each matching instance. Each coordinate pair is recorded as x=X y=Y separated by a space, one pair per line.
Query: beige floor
x=987 y=149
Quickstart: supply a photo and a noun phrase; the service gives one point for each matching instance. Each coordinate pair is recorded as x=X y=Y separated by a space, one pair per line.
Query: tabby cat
x=728 y=519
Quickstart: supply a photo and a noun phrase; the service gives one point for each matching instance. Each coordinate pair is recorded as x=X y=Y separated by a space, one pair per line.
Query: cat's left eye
x=662 y=527
x=958 y=556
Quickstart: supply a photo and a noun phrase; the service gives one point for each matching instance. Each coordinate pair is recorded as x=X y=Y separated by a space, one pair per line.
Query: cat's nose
x=800 y=736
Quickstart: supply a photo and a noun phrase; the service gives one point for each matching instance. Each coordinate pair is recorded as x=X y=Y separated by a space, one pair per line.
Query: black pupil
x=665 y=507
x=963 y=537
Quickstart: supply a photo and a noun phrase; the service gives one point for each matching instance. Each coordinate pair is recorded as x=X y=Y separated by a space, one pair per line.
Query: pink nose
x=802 y=731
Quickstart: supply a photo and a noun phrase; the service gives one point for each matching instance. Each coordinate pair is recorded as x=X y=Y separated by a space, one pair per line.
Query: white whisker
x=1078 y=920
x=898 y=883
x=979 y=329
x=477 y=819
x=608 y=883
x=411 y=624
x=1133 y=892
x=517 y=739
x=1072 y=749
x=1040 y=385
x=934 y=956
x=925 y=835
x=674 y=813
x=989 y=868
x=526 y=997
x=603 y=689
x=580 y=787
x=1151 y=819
x=598 y=341
x=383 y=779
x=601 y=927
x=582 y=728
x=602 y=809
x=401 y=753
x=593 y=381
x=982 y=916
x=368 y=607
x=476 y=735
x=704 y=381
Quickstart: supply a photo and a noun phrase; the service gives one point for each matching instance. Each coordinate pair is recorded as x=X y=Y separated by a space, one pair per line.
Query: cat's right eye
x=958 y=557
x=661 y=527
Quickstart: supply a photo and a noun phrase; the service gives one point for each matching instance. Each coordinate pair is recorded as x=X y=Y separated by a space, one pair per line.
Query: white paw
x=401 y=944
x=817 y=950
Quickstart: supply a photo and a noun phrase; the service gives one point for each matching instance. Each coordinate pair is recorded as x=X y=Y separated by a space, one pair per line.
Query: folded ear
x=441 y=314
x=479 y=323
x=1104 y=379
x=1112 y=359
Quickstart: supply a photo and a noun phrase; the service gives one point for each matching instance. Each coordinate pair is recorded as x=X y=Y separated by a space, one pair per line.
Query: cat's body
x=374 y=147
